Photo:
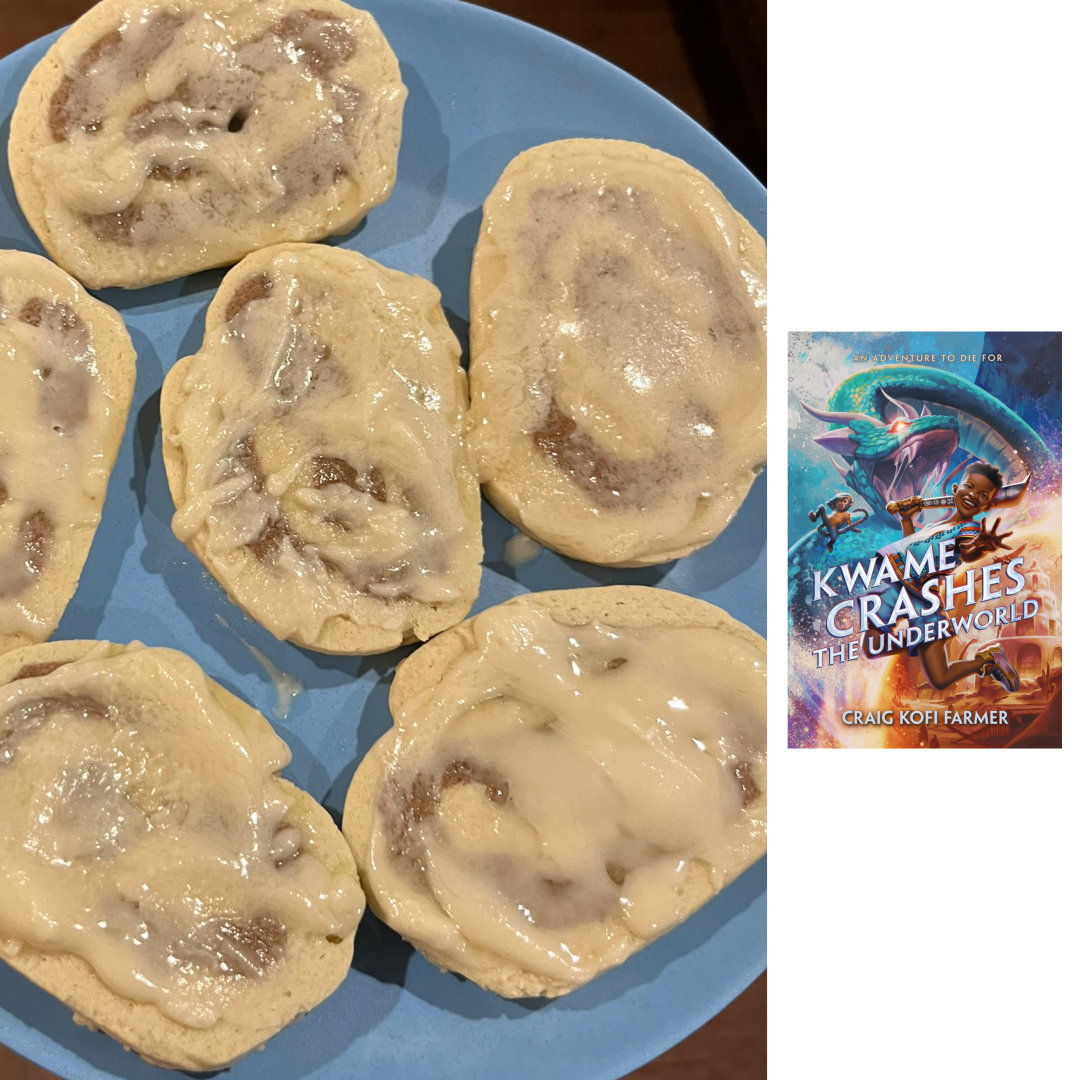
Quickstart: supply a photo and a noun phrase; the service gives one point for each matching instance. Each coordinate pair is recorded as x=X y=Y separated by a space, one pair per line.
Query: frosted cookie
x=618 y=352
x=163 y=137
x=159 y=876
x=569 y=775
x=67 y=371
x=315 y=454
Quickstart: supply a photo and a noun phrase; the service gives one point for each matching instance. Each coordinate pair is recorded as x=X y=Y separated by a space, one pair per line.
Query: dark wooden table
x=709 y=59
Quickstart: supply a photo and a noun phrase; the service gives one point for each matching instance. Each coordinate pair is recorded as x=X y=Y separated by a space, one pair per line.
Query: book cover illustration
x=924 y=534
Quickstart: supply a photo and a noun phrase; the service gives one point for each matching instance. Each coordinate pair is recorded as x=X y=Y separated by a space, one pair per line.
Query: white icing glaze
x=550 y=798
x=143 y=831
x=344 y=363
x=59 y=425
x=618 y=336
x=189 y=134
x=286 y=686
x=520 y=549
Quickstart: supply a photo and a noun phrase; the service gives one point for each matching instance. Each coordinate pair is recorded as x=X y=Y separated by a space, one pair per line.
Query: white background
x=922 y=175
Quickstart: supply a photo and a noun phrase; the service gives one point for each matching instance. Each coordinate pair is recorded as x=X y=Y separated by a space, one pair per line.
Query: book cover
x=924 y=539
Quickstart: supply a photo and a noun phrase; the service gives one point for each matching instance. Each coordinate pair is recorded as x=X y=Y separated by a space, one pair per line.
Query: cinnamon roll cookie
x=315 y=455
x=68 y=372
x=618 y=352
x=569 y=775
x=159 y=876
x=160 y=137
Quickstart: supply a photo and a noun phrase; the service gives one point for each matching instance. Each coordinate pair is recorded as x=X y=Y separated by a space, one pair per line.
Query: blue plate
x=482 y=87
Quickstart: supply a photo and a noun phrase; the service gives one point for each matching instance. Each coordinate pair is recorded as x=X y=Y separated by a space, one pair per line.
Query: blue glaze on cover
x=482 y=87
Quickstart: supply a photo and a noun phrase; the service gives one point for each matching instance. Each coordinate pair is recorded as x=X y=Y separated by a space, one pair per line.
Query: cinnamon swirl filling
x=68 y=378
x=566 y=791
x=617 y=352
x=148 y=834
x=315 y=451
x=179 y=135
